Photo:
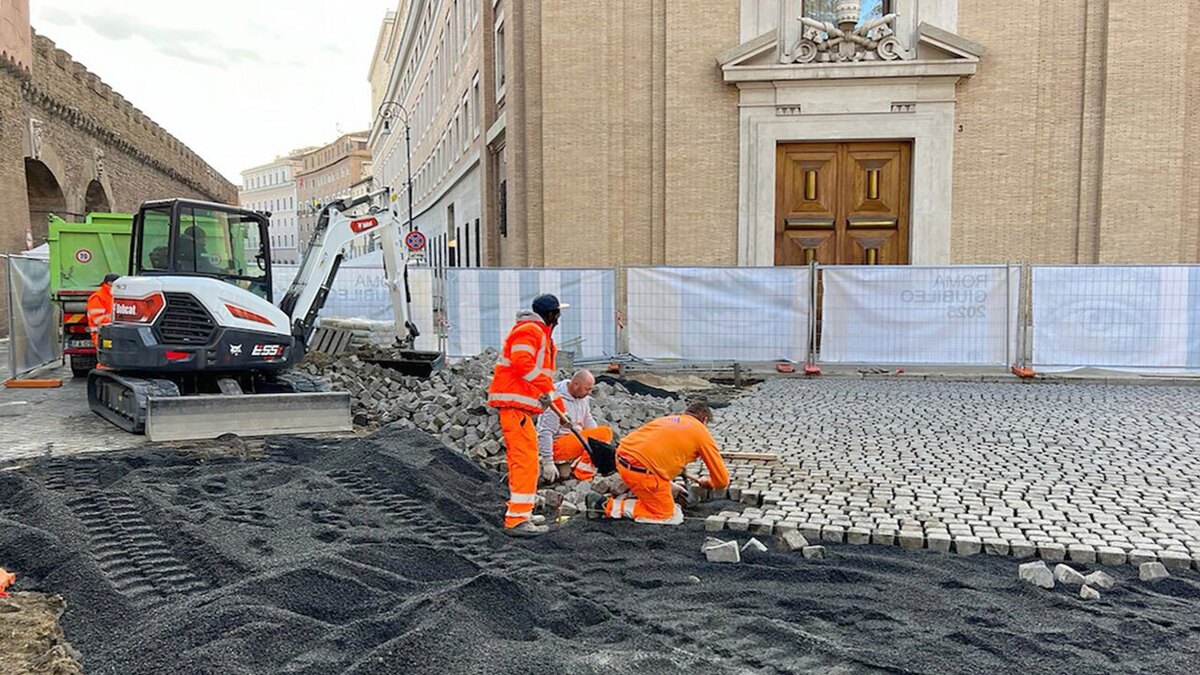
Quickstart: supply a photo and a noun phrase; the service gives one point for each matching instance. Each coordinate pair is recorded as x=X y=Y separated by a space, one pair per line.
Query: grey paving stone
x=1088 y=593
x=1174 y=560
x=1141 y=556
x=813 y=552
x=714 y=523
x=1036 y=573
x=717 y=551
x=1152 y=571
x=1100 y=579
x=967 y=545
x=1065 y=574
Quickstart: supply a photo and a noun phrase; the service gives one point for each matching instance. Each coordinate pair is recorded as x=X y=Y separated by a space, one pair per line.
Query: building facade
x=429 y=72
x=325 y=174
x=763 y=132
x=272 y=187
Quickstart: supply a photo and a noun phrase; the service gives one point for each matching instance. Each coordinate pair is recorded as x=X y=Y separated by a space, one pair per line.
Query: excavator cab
x=192 y=238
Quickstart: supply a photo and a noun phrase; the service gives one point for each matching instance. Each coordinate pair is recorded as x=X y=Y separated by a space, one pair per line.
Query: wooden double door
x=842 y=203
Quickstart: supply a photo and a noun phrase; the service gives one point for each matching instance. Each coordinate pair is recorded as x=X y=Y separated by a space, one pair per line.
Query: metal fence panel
x=719 y=314
x=32 y=330
x=481 y=304
x=961 y=315
x=357 y=292
x=1116 y=316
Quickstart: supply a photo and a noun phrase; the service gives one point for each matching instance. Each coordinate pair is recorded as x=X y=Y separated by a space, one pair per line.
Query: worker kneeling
x=651 y=457
x=557 y=443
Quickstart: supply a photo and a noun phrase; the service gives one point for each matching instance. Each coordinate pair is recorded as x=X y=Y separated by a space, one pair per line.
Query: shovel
x=604 y=455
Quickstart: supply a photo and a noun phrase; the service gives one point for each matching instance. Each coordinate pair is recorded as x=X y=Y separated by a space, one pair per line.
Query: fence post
x=621 y=307
x=812 y=313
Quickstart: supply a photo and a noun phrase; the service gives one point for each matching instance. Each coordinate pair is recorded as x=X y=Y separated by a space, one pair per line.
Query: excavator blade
x=180 y=418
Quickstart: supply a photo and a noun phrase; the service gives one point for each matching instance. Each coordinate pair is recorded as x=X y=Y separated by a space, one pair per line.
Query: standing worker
x=522 y=386
x=100 y=308
x=651 y=457
x=556 y=443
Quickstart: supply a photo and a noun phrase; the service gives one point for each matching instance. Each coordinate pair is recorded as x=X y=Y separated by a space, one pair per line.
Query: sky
x=238 y=81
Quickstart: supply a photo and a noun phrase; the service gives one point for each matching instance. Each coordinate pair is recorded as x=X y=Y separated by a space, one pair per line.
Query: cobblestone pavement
x=1091 y=473
x=45 y=422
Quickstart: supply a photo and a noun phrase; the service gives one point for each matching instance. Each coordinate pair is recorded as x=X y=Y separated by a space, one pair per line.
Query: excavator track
x=124 y=400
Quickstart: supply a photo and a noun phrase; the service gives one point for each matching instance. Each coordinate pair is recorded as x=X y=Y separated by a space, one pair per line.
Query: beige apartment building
x=765 y=132
x=271 y=187
x=327 y=173
x=428 y=72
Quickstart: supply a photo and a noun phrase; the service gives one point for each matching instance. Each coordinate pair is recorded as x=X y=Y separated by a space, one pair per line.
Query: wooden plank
x=765 y=456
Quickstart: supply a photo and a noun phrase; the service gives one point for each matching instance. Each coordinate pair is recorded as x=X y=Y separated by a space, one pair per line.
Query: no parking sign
x=415 y=240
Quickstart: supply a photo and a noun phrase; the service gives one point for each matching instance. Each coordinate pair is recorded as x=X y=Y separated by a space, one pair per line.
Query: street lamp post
x=387 y=111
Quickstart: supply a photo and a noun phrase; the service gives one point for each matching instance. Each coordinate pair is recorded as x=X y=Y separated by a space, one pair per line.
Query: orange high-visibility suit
x=654 y=455
x=523 y=373
x=556 y=443
x=99 y=311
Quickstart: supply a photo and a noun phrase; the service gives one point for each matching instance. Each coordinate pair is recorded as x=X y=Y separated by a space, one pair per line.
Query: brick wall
x=1077 y=140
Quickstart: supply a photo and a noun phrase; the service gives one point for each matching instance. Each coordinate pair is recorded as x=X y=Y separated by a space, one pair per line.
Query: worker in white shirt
x=556 y=443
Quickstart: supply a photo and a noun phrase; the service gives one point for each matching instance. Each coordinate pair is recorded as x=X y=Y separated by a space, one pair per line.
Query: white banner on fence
x=917 y=315
x=1116 y=317
x=33 y=330
x=481 y=304
x=719 y=314
x=360 y=291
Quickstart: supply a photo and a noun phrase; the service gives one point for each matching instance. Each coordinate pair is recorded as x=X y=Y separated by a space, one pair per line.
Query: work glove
x=706 y=483
x=549 y=472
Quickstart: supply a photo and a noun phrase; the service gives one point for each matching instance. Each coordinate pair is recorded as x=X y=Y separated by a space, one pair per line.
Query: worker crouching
x=557 y=443
x=651 y=457
x=522 y=387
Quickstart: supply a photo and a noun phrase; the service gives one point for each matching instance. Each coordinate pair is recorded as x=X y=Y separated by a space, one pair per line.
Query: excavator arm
x=319 y=266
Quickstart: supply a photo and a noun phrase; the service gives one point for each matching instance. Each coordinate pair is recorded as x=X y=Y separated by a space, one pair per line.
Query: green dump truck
x=80 y=255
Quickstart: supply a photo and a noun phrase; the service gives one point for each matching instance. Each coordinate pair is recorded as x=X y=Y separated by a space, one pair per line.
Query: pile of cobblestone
x=451 y=404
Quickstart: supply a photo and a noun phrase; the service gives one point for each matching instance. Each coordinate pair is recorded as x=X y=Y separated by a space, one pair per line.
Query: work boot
x=526 y=529
x=595 y=505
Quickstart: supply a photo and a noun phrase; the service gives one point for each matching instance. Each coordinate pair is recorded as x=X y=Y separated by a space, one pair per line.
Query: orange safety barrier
x=32 y=384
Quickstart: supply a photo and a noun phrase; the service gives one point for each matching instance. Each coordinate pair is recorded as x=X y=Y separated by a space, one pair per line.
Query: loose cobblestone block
x=813 y=552
x=753 y=546
x=1036 y=573
x=1152 y=571
x=792 y=541
x=1052 y=552
x=1100 y=579
x=1088 y=593
x=717 y=551
x=1082 y=553
x=967 y=545
x=1065 y=574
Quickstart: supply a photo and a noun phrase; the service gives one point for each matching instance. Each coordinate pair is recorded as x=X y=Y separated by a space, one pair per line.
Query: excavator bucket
x=179 y=418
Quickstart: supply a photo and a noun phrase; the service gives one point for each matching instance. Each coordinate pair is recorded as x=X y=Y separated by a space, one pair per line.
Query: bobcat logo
x=235 y=350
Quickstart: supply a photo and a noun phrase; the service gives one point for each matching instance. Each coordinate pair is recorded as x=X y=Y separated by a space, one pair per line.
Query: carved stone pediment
x=870 y=50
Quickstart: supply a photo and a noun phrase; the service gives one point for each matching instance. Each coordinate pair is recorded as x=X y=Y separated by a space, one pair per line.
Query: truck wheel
x=82 y=364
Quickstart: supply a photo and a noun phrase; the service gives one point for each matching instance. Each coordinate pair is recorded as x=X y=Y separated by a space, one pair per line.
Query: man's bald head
x=581 y=384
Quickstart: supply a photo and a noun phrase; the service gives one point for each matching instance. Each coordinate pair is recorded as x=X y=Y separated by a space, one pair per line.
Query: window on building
x=499 y=58
x=826 y=10
x=475 y=105
x=478 y=245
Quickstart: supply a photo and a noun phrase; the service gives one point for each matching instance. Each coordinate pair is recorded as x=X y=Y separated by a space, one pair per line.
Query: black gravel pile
x=383 y=555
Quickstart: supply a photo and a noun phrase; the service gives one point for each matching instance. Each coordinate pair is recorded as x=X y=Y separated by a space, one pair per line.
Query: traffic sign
x=83 y=255
x=415 y=240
